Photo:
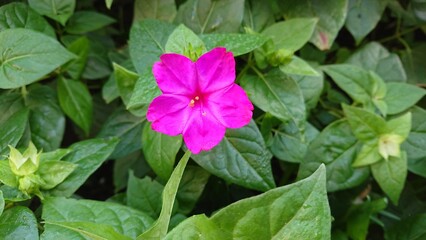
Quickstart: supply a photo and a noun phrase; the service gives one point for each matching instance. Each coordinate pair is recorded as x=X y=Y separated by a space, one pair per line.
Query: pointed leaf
x=401 y=96
x=87 y=21
x=144 y=195
x=298 y=66
x=91 y=230
x=12 y=130
x=197 y=227
x=18 y=223
x=154 y=9
x=365 y=124
x=236 y=43
x=183 y=40
x=59 y=10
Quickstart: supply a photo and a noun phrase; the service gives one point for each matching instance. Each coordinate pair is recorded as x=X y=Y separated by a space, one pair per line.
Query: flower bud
x=280 y=57
x=389 y=145
x=26 y=163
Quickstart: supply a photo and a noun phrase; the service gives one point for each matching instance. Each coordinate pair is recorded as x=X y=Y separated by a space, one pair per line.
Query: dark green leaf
x=414 y=63
x=241 y=158
x=87 y=21
x=311 y=87
x=76 y=102
x=257 y=15
x=10 y=103
x=192 y=185
x=401 y=96
x=59 y=10
x=412 y=228
x=154 y=9
x=12 y=129
x=160 y=151
x=416 y=142
x=88 y=156
x=110 y=90
x=79 y=47
x=28 y=56
x=205 y=16
x=238 y=44
x=144 y=92
x=134 y=162
x=19 y=15
x=18 y=223
x=144 y=195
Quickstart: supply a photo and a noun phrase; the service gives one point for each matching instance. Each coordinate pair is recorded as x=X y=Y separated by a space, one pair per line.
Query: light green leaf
x=411 y=228
x=185 y=42
x=123 y=220
x=191 y=187
x=56 y=155
x=54 y=172
x=28 y=56
x=277 y=94
x=365 y=124
x=236 y=43
x=88 y=155
x=145 y=90
x=391 y=175
x=91 y=230
x=108 y=3
x=11 y=130
x=1 y=203
x=160 y=151
x=401 y=96
x=369 y=154
x=59 y=10
x=154 y=9
x=13 y=194
x=144 y=195
x=335 y=147
x=257 y=15
x=79 y=47
x=291 y=34
x=283 y=213
x=76 y=102
x=19 y=15
x=331 y=15
x=159 y=229
x=147 y=42
x=18 y=223
x=241 y=158
x=125 y=126
x=205 y=16
x=363 y=17
x=298 y=66
x=87 y=21
x=125 y=80
x=7 y=177
x=375 y=57
x=400 y=125
x=197 y=227
x=46 y=120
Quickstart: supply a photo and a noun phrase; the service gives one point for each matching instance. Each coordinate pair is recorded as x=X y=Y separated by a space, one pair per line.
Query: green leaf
x=292 y=34
x=391 y=175
x=87 y=21
x=56 y=155
x=108 y=3
x=7 y=177
x=257 y=15
x=18 y=223
x=205 y=16
x=10 y=103
x=363 y=17
x=311 y=87
x=35 y=56
x=185 y=42
x=365 y=124
x=59 y=10
x=134 y=162
x=1 y=203
x=123 y=220
x=298 y=66
x=91 y=230
x=413 y=61
x=191 y=187
x=88 y=155
x=400 y=125
x=125 y=126
x=19 y=15
x=46 y=120
x=76 y=102
x=110 y=90
x=54 y=173
x=335 y=147
x=13 y=194
x=236 y=43
x=125 y=80
x=412 y=228
x=154 y=9
x=277 y=94
x=145 y=90
x=80 y=48
x=159 y=229
x=147 y=42
x=160 y=151
x=144 y=195
x=331 y=15
x=12 y=129
x=197 y=227
x=282 y=211
x=368 y=154
x=401 y=96
x=241 y=158
x=375 y=57
x=98 y=65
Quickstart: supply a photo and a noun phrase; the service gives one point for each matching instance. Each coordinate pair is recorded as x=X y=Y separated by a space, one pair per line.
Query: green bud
x=389 y=145
x=26 y=163
x=280 y=57
x=193 y=53
x=30 y=184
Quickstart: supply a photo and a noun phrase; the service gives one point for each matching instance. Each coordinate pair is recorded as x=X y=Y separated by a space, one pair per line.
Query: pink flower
x=200 y=99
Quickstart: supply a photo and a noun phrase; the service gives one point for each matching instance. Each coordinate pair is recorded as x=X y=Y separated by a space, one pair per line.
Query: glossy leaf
x=414 y=145
x=18 y=223
x=88 y=156
x=401 y=96
x=91 y=230
x=125 y=80
x=19 y=15
x=185 y=42
x=123 y=220
x=257 y=15
x=35 y=56
x=154 y=9
x=87 y=21
x=191 y=187
x=80 y=48
x=11 y=130
x=412 y=228
x=10 y=103
x=298 y=66
x=76 y=102
x=241 y=158
x=59 y=10
x=144 y=195
x=197 y=227
x=207 y=16
x=331 y=15
x=236 y=43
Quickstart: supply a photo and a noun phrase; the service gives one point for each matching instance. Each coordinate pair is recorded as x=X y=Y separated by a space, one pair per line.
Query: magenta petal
x=216 y=70
x=169 y=114
x=231 y=107
x=175 y=74
x=203 y=132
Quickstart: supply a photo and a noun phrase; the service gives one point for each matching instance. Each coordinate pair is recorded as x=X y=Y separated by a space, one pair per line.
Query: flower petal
x=216 y=70
x=231 y=107
x=175 y=74
x=203 y=132
x=169 y=114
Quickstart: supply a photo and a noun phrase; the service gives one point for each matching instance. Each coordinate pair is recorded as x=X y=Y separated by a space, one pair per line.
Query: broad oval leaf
x=19 y=15
x=28 y=56
x=257 y=15
x=12 y=130
x=10 y=103
x=154 y=9
x=197 y=227
x=91 y=230
x=18 y=223
x=59 y=10
x=236 y=43
x=400 y=96
x=144 y=195
x=241 y=158
x=86 y=21
x=185 y=42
